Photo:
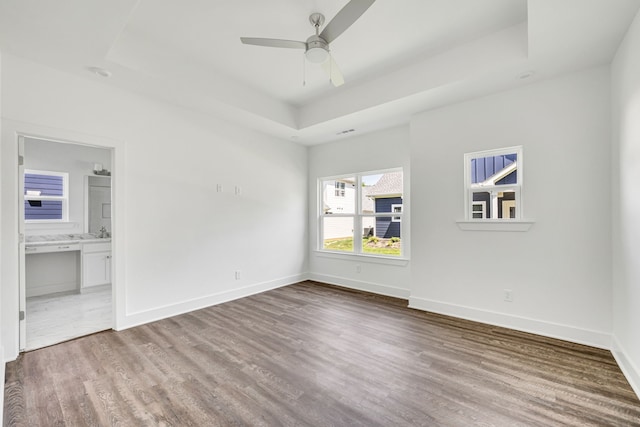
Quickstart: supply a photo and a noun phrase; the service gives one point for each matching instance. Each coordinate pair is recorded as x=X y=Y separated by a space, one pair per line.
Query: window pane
x=46 y=185
x=493 y=204
x=339 y=196
x=495 y=170
x=42 y=209
x=382 y=193
x=507 y=204
x=337 y=233
x=381 y=236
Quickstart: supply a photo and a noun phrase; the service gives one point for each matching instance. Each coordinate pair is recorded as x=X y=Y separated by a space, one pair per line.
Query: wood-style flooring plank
x=317 y=355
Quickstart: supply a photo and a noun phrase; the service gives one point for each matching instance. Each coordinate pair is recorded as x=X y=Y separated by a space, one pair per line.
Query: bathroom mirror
x=98 y=203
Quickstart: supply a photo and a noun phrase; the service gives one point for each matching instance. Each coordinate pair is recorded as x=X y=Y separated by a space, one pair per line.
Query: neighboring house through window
x=362 y=213
x=493 y=184
x=46 y=196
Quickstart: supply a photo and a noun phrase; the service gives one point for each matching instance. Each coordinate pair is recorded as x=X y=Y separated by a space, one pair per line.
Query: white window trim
x=520 y=223
x=358 y=217
x=64 y=198
x=489 y=184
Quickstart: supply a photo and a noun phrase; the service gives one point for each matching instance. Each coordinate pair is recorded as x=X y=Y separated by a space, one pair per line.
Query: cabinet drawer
x=43 y=249
x=96 y=247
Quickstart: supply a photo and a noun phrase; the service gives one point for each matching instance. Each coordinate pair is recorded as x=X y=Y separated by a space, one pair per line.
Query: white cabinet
x=96 y=264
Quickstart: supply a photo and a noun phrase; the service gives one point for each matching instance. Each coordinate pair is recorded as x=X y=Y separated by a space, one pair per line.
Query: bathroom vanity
x=66 y=262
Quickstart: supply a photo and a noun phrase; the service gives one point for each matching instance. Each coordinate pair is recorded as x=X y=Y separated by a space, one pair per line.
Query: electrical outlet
x=238 y=190
x=508 y=295
x=358 y=268
x=237 y=274
x=219 y=188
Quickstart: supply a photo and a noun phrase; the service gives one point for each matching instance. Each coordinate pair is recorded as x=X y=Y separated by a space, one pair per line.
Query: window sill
x=398 y=261
x=495 y=225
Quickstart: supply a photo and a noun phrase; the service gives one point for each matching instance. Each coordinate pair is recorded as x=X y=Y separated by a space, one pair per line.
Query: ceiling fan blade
x=343 y=20
x=331 y=68
x=291 y=44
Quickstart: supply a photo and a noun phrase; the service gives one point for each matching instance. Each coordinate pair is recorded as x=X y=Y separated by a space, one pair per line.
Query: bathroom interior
x=66 y=288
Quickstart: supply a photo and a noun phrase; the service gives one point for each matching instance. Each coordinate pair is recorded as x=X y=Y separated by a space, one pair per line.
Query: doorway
x=65 y=253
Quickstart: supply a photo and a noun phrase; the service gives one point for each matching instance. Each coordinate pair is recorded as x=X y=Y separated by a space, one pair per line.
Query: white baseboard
x=374 y=288
x=630 y=370
x=147 y=316
x=548 y=329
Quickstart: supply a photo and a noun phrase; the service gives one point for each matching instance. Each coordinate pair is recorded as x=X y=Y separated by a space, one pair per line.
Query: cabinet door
x=96 y=269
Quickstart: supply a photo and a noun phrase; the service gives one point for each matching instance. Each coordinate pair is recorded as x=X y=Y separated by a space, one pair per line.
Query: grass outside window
x=370 y=245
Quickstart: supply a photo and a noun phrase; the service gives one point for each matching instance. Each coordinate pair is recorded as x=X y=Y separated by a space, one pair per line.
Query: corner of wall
x=626 y=364
x=375 y=288
x=140 y=318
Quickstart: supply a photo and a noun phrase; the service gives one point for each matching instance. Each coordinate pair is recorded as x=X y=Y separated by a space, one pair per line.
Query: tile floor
x=55 y=318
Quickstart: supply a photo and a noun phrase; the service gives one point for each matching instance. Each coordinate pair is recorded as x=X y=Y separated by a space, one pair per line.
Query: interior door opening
x=65 y=246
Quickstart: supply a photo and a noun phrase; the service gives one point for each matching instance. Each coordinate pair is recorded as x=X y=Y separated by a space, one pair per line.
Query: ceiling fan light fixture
x=317 y=55
x=317 y=50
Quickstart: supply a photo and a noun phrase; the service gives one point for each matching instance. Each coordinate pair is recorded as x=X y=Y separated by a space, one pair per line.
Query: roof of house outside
x=367 y=202
x=389 y=184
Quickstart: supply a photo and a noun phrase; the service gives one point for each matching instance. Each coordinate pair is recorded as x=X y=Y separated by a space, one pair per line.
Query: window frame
x=470 y=189
x=64 y=198
x=358 y=215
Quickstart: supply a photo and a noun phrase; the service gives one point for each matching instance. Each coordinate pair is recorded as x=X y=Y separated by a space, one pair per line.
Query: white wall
x=559 y=271
x=626 y=203
x=2 y=358
x=75 y=159
x=375 y=151
x=177 y=240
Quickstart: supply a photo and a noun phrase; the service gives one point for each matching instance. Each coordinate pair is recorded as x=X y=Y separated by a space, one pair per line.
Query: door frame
x=12 y=131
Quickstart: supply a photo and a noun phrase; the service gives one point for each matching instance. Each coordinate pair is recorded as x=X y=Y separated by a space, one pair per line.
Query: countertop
x=55 y=239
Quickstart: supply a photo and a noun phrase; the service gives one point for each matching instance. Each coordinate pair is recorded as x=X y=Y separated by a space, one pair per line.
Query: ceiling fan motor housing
x=317 y=49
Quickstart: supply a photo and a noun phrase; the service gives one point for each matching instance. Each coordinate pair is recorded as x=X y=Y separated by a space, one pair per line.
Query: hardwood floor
x=55 y=318
x=317 y=355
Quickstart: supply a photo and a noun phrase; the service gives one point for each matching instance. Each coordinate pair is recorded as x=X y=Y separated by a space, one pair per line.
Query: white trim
x=363 y=257
x=358 y=215
x=11 y=132
x=147 y=316
x=628 y=367
x=588 y=337
x=496 y=225
x=374 y=288
x=469 y=188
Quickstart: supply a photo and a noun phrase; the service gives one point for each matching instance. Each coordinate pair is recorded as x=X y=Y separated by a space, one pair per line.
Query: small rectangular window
x=46 y=196
x=396 y=209
x=493 y=184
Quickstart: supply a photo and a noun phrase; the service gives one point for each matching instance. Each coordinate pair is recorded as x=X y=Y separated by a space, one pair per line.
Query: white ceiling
x=401 y=57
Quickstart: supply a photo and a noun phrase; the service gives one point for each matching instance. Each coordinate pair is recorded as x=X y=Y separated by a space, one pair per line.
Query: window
x=362 y=213
x=479 y=210
x=46 y=196
x=398 y=209
x=493 y=183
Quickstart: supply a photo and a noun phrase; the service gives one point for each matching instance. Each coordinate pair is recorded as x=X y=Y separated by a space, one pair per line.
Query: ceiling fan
x=316 y=48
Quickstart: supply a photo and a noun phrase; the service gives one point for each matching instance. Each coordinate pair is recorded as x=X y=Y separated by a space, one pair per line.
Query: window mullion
x=357 y=223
